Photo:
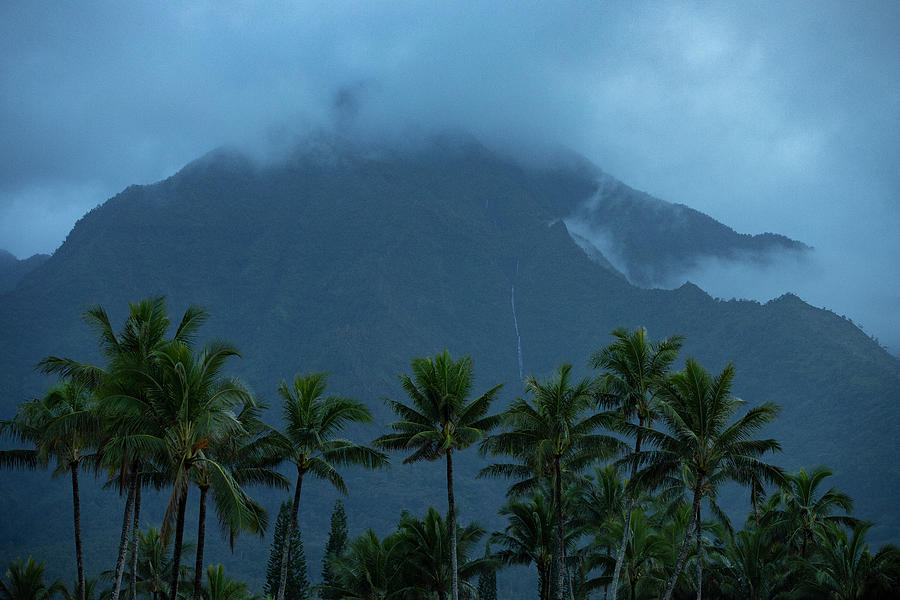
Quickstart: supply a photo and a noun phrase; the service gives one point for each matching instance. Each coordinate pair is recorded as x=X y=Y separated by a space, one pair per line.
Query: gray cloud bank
x=779 y=117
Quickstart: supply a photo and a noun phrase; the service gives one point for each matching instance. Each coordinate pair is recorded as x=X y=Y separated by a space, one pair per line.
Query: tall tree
x=699 y=447
x=440 y=420
x=131 y=435
x=249 y=460
x=337 y=543
x=297 y=579
x=189 y=393
x=64 y=426
x=309 y=442
x=634 y=368
x=550 y=435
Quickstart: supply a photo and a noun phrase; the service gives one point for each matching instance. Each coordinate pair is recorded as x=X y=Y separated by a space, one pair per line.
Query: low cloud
x=777 y=117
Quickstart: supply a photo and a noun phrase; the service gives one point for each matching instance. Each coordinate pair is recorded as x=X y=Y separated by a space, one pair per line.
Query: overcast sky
x=769 y=116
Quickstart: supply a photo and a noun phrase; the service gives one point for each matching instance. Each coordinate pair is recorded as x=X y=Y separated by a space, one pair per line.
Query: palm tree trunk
x=626 y=530
x=135 y=530
x=451 y=517
x=620 y=555
x=123 y=541
x=543 y=584
x=76 y=510
x=695 y=512
x=699 y=559
x=176 y=551
x=201 y=538
x=559 y=530
x=286 y=545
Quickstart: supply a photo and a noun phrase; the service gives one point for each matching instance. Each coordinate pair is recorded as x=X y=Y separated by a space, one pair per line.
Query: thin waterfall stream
x=512 y=301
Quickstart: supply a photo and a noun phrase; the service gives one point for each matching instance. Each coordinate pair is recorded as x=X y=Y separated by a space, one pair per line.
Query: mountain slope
x=354 y=263
x=12 y=270
x=653 y=242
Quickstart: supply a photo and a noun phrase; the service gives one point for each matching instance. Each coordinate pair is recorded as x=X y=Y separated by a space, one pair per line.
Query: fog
x=781 y=117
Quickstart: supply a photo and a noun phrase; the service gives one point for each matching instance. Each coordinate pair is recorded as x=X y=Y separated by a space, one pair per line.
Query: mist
x=767 y=117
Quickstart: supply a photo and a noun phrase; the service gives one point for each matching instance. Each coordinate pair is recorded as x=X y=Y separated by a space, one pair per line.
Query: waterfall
x=512 y=301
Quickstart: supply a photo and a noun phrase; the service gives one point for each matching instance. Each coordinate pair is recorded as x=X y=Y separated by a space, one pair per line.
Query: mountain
x=355 y=261
x=653 y=241
x=12 y=270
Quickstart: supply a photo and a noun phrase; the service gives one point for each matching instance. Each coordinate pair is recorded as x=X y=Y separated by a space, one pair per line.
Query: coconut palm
x=751 y=564
x=130 y=356
x=441 y=419
x=64 y=426
x=424 y=543
x=220 y=587
x=798 y=509
x=551 y=437
x=529 y=538
x=644 y=555
x=370 y=569
x=154 y=565
x=844 y=569
x=249 y=460
x=26 y=582
x=187 y=391
x=309 y=441
x=634 y=369
x=699 y=448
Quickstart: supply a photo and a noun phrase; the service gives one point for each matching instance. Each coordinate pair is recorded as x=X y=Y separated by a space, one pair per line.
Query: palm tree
x=529 y=538
x=801 y=510
x=370 y=569
x=26 y=582
x=634 y=369
x=643 y=555
x=249 y=460
x=599 y=507
x=188 y=392
x=550 y=436
x=154 y=565
x=310 y=442
x=130 y=356
x=441 y=419
x=220 y=587
x=424 y=545
x=846 y=570
x=63 y=425
x=699 y=448
x=751 y=563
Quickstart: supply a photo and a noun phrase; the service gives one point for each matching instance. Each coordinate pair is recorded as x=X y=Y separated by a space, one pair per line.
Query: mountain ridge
x=356 y=267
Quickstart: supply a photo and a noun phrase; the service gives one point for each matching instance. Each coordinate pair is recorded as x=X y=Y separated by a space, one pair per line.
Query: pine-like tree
x=337 y=543
x=297 y=587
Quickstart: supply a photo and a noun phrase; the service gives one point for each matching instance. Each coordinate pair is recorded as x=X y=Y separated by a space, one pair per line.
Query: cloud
x=769 y=117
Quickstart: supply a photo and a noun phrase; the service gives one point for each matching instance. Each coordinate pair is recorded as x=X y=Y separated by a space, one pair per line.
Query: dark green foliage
x=297 y=579
x=337 y=543
x=25 y=581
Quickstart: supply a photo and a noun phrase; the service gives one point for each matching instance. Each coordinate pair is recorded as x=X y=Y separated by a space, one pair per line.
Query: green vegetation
x=162 y=413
